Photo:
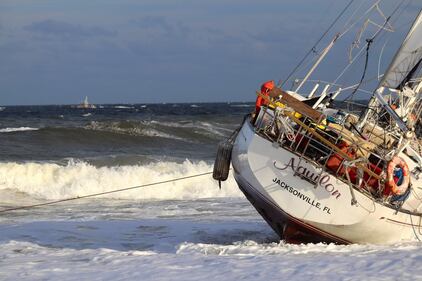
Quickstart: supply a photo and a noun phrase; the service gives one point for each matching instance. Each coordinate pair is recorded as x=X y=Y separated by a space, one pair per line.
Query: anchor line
x=413 y=227
x=101 y=193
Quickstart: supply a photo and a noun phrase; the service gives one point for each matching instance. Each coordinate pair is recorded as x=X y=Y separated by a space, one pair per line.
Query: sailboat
x=316 y=173
x=85 y=104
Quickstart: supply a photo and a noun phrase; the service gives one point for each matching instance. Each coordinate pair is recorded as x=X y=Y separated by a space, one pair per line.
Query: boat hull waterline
x=303 y=204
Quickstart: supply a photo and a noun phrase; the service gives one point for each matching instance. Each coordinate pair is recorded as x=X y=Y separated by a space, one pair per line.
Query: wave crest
x=53 y=181
x=20 y=129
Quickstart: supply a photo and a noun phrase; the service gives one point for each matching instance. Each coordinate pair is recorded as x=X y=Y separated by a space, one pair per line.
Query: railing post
x=323 y=95
x=311 y=94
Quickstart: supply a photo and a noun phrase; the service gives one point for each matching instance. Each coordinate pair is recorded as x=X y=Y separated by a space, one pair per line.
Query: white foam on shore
x=53 y=181
x=19 y=129
x=28 y=261
x=252 y=248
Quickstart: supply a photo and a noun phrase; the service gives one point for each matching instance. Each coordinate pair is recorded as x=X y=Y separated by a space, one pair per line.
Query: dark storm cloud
x=61 y=28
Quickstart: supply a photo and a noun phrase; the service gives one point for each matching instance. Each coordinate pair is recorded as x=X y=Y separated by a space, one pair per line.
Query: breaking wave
x=53 y=181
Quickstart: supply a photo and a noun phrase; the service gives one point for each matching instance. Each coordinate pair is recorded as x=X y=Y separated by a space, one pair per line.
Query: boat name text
x=311 y=176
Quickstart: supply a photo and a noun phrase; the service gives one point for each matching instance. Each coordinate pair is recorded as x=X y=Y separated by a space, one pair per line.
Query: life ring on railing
x=397 y=187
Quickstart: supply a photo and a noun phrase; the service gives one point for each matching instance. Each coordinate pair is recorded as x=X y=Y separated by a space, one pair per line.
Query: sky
x=155 y=51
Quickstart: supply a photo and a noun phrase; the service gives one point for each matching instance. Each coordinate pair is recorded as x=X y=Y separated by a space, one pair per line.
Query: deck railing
x=331 y=147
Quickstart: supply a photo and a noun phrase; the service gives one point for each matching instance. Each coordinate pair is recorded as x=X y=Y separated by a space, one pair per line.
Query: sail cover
x=407 y=59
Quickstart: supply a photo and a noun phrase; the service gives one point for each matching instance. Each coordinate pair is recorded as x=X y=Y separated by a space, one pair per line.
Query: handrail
x=312 y=131
x=332 y=146
x=294 y=103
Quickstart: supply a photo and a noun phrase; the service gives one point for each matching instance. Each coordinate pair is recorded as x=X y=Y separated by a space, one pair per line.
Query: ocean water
x=184 y=230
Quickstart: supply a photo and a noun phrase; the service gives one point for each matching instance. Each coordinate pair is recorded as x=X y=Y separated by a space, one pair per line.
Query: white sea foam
x=156 y=133
x=252 y=248
x=31 y=261
x=123 y=107
x=53 y=181
x=20 y=129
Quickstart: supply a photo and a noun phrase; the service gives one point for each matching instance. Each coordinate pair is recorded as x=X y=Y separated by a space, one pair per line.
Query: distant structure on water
x=86 y=104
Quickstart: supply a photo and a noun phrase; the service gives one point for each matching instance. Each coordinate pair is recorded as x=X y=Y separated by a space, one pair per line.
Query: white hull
x=302 y=204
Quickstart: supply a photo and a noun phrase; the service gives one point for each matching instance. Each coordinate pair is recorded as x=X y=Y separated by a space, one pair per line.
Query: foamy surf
x=253 y=248
x=63 y=263
x=53 y=181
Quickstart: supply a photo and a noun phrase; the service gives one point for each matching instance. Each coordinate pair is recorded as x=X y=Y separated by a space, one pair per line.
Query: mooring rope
x=413 y=227
x=101 y=193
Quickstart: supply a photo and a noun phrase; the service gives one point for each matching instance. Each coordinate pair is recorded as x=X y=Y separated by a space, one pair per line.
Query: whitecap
x=20 y=129
x=123 y=107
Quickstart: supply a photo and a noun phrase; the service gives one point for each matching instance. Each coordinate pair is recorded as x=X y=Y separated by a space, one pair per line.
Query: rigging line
x=347 y=67
x=343 y=86
x=304 y=66
x=413 y=227
x=380 y=57
x=376 y=6
x=380 y=27
x=352 y=16
x=101 y=193
x=373 y=37
x=368 y=44
x=360 y=18
x=280 y=84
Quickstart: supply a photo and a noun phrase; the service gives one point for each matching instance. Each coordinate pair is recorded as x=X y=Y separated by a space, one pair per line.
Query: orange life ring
x=391 y=184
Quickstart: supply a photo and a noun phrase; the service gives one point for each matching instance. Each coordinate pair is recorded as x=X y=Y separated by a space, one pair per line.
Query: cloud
x=153 y=22
x=160 y=26
x=61 y=28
